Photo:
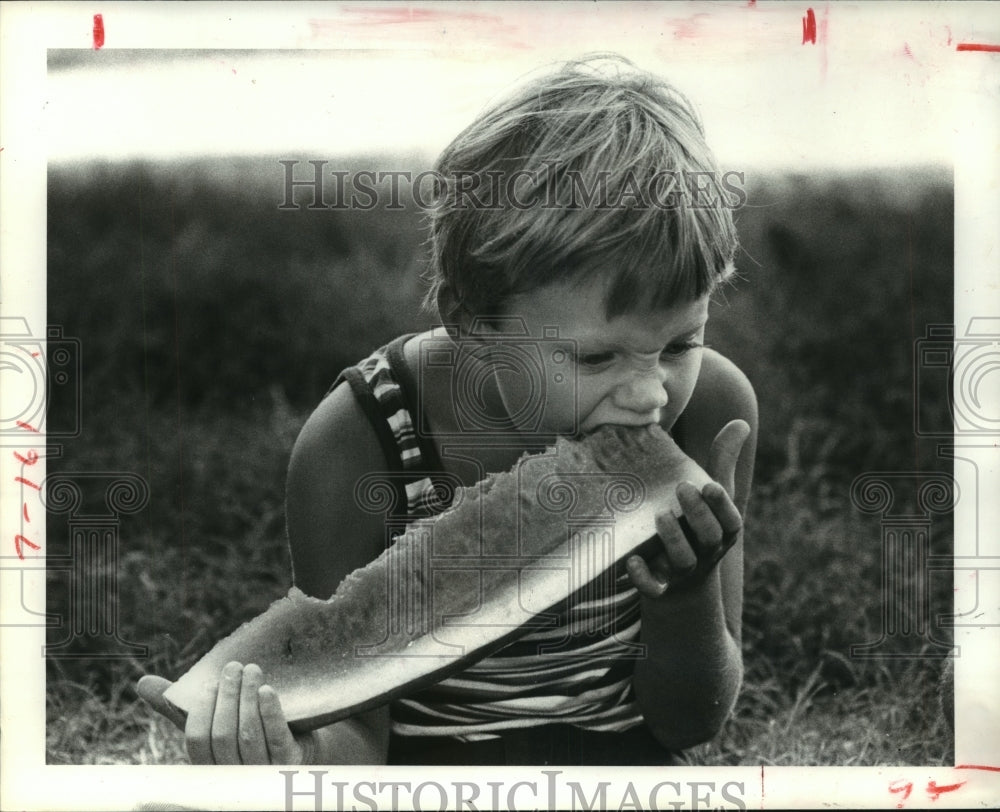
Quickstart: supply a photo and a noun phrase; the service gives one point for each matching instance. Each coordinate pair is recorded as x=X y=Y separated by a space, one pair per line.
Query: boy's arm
x=689 y=680
x=329 y=536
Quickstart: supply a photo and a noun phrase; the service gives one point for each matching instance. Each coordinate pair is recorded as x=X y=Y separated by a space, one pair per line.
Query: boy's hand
x=235 y=721
x=695 y=542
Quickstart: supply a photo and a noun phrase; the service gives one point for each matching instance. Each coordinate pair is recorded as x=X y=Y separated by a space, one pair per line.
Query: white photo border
x=971 y=77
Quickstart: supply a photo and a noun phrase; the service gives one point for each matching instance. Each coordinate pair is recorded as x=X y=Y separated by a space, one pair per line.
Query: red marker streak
x=20 y=540
x=27 y=518
x=934 y=791
x=903 y=786
x=31 y=459
x=98 y=31
x=977 y=767
x=809 y=27
x=26 y=482
x=977 y=46
x=27 y=426
x=689 y=28
x=454 y=24
x=396 y=16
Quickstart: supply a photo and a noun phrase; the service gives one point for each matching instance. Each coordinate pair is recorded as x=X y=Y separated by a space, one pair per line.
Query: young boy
x=586 y=206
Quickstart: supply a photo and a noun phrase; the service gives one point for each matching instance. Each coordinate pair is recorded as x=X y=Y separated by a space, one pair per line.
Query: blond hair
x=508 y=217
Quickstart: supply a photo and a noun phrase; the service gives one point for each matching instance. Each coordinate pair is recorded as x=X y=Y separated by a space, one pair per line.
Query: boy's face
x=634 y=369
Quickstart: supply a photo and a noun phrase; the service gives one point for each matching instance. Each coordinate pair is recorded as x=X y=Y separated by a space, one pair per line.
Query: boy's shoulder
x=340 y=420
x=337 y=410
x=338 y=438
x=722 y=393
x=721 y=381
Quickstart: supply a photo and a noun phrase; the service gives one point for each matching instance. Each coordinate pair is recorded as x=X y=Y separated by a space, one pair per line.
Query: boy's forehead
x=644 y=330
x=579 y=311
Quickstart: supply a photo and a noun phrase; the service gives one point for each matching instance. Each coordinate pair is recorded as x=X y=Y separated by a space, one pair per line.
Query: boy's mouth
x=626 y=423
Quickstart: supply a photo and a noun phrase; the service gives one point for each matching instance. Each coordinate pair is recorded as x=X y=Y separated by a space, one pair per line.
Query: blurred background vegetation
x=211 y=323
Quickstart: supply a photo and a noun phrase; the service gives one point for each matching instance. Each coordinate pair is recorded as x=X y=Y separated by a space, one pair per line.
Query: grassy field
x=211 y=323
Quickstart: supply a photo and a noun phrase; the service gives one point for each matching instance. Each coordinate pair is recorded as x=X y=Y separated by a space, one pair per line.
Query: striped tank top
x=576 y=672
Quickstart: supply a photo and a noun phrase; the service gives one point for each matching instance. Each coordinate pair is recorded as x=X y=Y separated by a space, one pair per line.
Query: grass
x=211 y=323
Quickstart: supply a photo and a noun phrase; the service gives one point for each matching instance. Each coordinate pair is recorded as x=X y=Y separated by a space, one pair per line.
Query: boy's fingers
x=642 y=578
x=225 y=724
x=725 y=452
x=726 y=512
x=678 y=550
x=253 y=747
x=281 y=744
x=706 y=530
x=151 y=688
x=198 y=730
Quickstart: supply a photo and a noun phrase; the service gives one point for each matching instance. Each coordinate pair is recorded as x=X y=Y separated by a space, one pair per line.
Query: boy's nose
x=642 y=392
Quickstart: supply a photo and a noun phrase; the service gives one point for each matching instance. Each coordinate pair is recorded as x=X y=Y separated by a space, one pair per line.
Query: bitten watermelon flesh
x=457 y=587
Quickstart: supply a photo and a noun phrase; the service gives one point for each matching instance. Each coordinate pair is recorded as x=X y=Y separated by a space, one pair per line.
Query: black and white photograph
x=499 y=405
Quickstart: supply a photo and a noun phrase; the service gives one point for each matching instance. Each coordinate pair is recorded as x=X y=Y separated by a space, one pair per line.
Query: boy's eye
x=679 y=349
x=599 y=360
x=593 y=360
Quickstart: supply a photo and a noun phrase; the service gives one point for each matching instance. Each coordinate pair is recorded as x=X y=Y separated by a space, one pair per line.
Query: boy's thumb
x=725 y=452
x=151 y=689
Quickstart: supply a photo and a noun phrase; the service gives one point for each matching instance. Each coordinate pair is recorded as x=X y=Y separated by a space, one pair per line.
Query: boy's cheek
x=580 y=410
x=563 y=415
x=555 y=409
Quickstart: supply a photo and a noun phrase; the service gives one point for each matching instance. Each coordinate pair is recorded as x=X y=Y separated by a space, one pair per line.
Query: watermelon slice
x=457 y=587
